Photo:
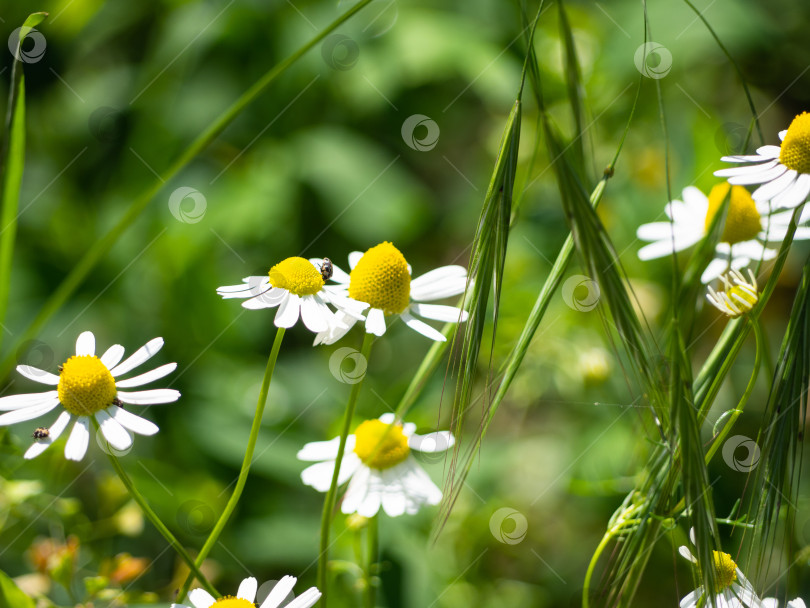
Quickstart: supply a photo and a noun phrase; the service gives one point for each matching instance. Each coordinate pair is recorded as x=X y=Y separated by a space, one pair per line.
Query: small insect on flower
x=327 y=269
x=737 y=299
x=41 y=433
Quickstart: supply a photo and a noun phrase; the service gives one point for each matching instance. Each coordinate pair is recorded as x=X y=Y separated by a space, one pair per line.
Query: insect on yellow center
x=85 y=386
x=233 y=602
x=379 y=449
x=297 y=276
x=795 y=151
x=381 y=279
x=743 y=222
x=725 y=570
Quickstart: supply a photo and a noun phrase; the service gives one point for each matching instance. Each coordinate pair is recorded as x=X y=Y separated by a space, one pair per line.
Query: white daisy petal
x=309 y=598
x=423 y=328
x=38 y=375
x=714 y=270
x=28 y=413
x=132 y=422
x=86 y=344
x=314 y=314
x=247 y=589
x=76 y=446
x=440 y=283
x=319 y=476
x=112 y=356
x=201 y=598
x=356 y=492
x=757 y=177
x=16 y=402
x=56 y=429
x=438 y=441
x=339 y=275
x=280 y=592
x=115 y=434
x=747 y=169
x=372 y=499
x=394 y=498
x=143 y=354
x=151 y=397
x=438 y=312
x=375 y=322
x=775 y=187
x=354 y=257
x=269 y=298
x=151 y=376
x=795 y=195
x=324 y=450
x=769 y=151
x=288 y=311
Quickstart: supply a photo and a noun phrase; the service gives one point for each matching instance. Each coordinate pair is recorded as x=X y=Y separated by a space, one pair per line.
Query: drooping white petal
x=28 y=413
x=201 y=598
x=375 y=322
x=132 y=422
x=269 y=298
x=443 y=282
x=775 y=187
x=146 y=378
x=150 y=397
x=86 y=343
x=314 y=314
x=714 y=270
x=115 y=434
x=76 y=446
x=319 y=475
x=143 y=354
x=439 y=312
x=795 y=195
x=16 y=402
x=56 y=429
x=309 y=598
x=357 y=491
x=288 y=311
x=250 y=286
x=38 y=375
x=423 y=328
x=112 y=356
x=438 y=441
x=280 y=592
x=247 y=589
x=394 y=498
x=766 y=174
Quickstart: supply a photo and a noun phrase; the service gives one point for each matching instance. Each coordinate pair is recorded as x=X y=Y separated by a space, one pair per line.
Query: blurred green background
x=318 y=166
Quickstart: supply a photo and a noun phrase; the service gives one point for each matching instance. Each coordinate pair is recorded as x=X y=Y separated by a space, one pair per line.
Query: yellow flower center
x=379 y=445
x=381 y=279
x=742 y=298
x=85 y=386
x=795 y=152
x=233 y=602
x=725 y=570
x=297 y=276
x=743 y=222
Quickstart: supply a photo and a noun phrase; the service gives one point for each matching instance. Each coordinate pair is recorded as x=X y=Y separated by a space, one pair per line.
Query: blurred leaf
x=11 y=596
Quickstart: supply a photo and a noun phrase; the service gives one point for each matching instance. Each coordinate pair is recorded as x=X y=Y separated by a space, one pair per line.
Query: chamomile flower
x=246 y=596
x=87 y=387
x=744 y=234
x=296 y=287
x=770 y=602
x=381 y=278
x=379 y=467
x=783 y=170
x=733 y=589
x=738 y=298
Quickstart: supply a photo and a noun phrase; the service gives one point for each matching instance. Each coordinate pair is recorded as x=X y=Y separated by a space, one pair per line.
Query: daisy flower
x=783 y=170
x=379 y=467
x=744 y=234
x=87 y=387
x=770 y=602
x=246 y=596
x=737 y=299
x=733 y=589
x=381 y=278
x=296 y=287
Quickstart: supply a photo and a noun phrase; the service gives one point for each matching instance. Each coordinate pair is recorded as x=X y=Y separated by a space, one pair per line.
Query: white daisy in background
x=86 y=386
x=379 y=467
x=783 y=171
x=246 y=596
x=296 y=287
x=733 y=589
x=743 y=238
x=738 y=298
x=770 y=602
x=381 y=277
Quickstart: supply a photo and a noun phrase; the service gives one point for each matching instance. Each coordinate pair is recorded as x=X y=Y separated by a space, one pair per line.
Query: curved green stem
x=245 y=470
x=99 y=250
x=373 y=557
x=721 y=436
x=331 y=495
x=586 y=585
x=156 y=521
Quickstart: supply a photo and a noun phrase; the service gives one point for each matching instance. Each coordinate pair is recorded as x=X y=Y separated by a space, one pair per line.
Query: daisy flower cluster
x=755 y=223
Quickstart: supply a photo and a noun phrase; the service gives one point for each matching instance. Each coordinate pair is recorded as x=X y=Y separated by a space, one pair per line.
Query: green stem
x=245 y=470
x=331 y=495
x=161 y=527
x=99 y=250
x=721 y=437
x=373 y=557
x=586 y=585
